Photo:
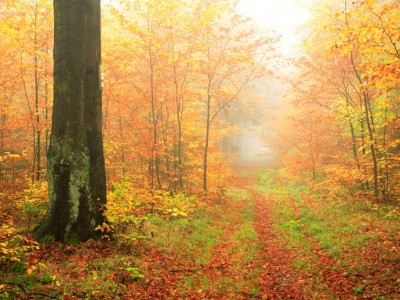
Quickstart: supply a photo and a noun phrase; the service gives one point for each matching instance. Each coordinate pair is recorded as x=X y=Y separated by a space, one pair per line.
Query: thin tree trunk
x=205 y=162
x=165 y=129
x=354 y=141
x=178 y=103
x=385 y=179
x=38 y=129
x=372 y=144
x=46 y=116
x=312 y=156
x=156 y=159
x=364 y=151
x=121 y=136
x=179 y=117
x=3 y=123
x=368 y=119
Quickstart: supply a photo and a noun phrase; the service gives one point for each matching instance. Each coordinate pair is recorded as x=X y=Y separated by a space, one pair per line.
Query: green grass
x=235 y=193
x=194 y=239
x=339 y=226
x=335 y=225
x=248 y=244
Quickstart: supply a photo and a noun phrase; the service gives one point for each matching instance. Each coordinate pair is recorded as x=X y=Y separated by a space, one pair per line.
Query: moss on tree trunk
x=75 y=168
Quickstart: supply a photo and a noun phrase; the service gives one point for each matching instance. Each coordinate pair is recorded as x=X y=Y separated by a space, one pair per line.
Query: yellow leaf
x=95 y=277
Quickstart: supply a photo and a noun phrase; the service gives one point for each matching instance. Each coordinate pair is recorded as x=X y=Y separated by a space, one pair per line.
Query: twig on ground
x=183 y=270
x=32 y=293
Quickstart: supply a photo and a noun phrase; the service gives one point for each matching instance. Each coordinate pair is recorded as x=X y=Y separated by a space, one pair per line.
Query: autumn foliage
x=340 y=123
x=176 y=77
x=170 y=70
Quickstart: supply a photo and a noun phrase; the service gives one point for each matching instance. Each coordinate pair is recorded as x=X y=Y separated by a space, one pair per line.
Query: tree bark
x=75 y=167
x=37 y=145
x=205 y=161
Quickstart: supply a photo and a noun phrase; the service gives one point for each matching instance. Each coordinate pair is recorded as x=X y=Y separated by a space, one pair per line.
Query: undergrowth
x=180 y=246
x=348 y=230
x=208 y=239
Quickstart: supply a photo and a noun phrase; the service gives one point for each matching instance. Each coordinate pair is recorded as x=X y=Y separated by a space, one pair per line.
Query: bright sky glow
x=284 y=16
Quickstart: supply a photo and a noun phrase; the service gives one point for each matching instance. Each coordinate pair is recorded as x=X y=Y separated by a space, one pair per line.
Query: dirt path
x=278 y=279
x=274 y=272
x=225 y=275
x=281 y=278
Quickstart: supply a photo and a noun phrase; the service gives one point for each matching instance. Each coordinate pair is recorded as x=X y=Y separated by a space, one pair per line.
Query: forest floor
x=266 y=239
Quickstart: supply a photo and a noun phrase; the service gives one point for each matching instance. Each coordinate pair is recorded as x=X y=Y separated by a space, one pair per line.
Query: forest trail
x=280 y=278
x=259 y=242
x=247 y=263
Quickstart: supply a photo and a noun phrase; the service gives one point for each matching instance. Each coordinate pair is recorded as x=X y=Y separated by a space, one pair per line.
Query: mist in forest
x=251 y=144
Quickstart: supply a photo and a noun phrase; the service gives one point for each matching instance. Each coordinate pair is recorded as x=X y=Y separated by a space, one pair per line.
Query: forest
x=179 y=149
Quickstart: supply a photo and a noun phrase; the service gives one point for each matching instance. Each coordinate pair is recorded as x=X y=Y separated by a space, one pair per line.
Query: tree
x=26 y=40
x=35 y=65
x=226 y=64
x=75 y=167
x=349 y=75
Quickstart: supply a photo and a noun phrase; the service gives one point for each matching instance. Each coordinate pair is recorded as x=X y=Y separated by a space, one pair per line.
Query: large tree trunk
x=76 y=174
